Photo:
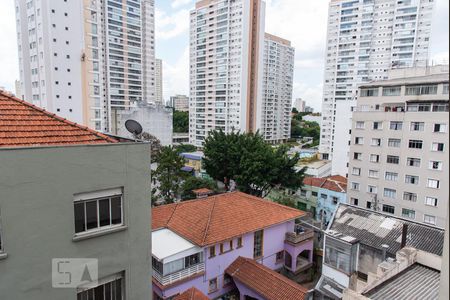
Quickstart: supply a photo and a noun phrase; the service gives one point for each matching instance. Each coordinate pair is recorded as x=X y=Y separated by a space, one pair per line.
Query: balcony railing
x=301 y=234
x=174 y=277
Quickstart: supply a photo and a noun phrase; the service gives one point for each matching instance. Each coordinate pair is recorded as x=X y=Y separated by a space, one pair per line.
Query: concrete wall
x=37 y=188
x=327 y=205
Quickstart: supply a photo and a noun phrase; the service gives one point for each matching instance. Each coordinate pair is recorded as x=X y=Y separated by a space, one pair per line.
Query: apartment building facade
x=70 y=193
x=159 y=98
x=278 y=77
x=85 y=59
x=226 y=53
x=399 y=148
x=365 y=39
x=180 y=103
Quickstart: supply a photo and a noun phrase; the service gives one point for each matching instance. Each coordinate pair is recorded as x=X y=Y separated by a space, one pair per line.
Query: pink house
x=194 y=242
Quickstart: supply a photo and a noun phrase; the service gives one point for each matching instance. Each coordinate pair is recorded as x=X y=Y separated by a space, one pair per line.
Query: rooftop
x=221 y=217
x=198 y=155
x=25 y=125
x=433 y=78
x=264 y=281
x=375 y=229
x=335 y=183
x=191 y=294
x=166 y=244
x=416 y=282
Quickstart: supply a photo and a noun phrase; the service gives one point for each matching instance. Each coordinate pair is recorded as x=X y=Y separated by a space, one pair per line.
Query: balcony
x=180 y=275
x=301 y=234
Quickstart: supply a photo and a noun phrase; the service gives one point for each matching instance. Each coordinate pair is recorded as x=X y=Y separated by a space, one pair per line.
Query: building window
x=212 y=286
x=417 y=126
x=102 y=212
x=413 y=162
x=212 y=251
x=433 y=183
x=227 y=280
x=390 y=193
x=388 y=209
x=340 y=255
x=239 y=242
x=440 y=128
x=359 y=141
x=411 y=179
x=415 y=144
x=391 y=159
x=314 y=194
x=437 y=147
x=410 y=196
x=421 y=90
x=112 y=289
x=357 y=156
x=396 y=125
x=394 y=143
x=429 y=219
x=258 y=244
x=377 y=125
x=392 y=91
x=356 y=171
x=372 y=189
x=354 y=201
x=408 y=213
x=373 y=173
x=431 y=201
x=435 y=165
x=359 y=125
x=445 y=89
x=376 y=142
x=279 y=257
x=355 y=186
x=369 y=205
x=375 y=158
x=391 y=176
x=324 y=196
x=335 y=200
x=370 y=92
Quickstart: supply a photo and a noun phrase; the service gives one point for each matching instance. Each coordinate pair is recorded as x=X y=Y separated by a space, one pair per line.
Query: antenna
x=133 y=127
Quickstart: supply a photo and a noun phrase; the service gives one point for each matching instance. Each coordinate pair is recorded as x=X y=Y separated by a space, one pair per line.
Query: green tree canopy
x=253 y=164
x=186 y=148
x=193 y=183
x=180 y=121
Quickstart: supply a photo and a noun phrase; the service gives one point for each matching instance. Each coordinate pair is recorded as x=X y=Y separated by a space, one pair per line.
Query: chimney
x=385 y=247
x=404 y=235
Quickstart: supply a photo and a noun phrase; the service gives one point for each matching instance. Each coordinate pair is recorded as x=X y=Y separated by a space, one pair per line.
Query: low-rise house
x=70 y=192
x=194 y=163
x=318 y=168
x=359 y=240
x=194 y=242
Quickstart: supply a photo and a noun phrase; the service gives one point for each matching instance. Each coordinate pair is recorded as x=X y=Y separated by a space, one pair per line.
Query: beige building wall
x=159 y=98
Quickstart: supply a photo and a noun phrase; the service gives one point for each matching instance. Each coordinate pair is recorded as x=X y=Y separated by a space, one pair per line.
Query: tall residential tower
x=366 y=38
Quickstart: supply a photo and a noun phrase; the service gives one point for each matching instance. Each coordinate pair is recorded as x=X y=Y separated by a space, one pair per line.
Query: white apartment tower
x=278 y=77
x=159 y=82
x=86 y=60
x=226 y=54
x=365 y=39
x=400 y=145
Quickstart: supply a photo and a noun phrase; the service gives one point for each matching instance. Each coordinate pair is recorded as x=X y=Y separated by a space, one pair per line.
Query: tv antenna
x=134 y=128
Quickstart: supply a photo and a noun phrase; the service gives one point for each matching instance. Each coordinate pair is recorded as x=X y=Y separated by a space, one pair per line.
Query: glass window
x=413 y=162
x=355 y=186
x=437 y=147
x=417 y=126
x=388 y=209
x=390 y=193
x=376 y=142
x=369 y=92
x=429 y=219
x=435 y=165
x=410 y=196
x=431 y=201
x=212 y=286
x=391 y=159
x=394 y=143
x=359 y=125
x=258 y=244
x=373 y=173
x=359 y=140
x=375 y=158
x=433 y=183
x=415 y=144
x=392 y=91
x=372 y=189
x=212 y=251
x=357 y=156
x=408 y=213
x=391 y=176
x=396 y=125
x=411 y=179
x=421 y=90
x=377 y=125
x=113 y=289
x=445 y=89
x=356 y=171
x=442 y=128
x=340 y=255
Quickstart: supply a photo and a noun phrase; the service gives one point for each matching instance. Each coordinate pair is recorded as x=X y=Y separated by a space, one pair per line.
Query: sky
x=301 y=21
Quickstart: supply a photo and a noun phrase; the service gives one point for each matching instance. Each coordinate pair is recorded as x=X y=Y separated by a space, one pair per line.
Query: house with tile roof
x=194 y=242
x=68 y=191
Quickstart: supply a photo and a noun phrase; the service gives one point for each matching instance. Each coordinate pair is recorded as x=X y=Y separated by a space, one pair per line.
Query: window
x=440 y=128
x=377 y=125
x=324 y=196
x=335 y=200
x=390 y=193
x=340 y=255
x=372 y=189
x=396 y=125
x=391 y=176
x=388 y=209
x=435 y=165
x=433 y=183
x=408 y=213
x=373 y=173
x=392 y=91
x=355 y=186
x=212 y=286
x=239 y=242
x=421 y=90
x=394 y=143
x=417 y=126
x=357 y=156
x=258 y=244
x=413 y=162
x=102 y=212
x=411 y=179
x=391 y=159
x=437 y=147
x=356 y=171
x=431 y=201
x=314 y=194
x=112 y=288
x=359 y=141
x=369 y=205
x=279 y=257
x=429 y=219
x=410 y=196
x=376 y=142
x=375 y=158
x=371 y=92
x=212 y=251
x=227 y=280
x=445 y=89
x=359 y=125
x=415 y=144
x=354 y=201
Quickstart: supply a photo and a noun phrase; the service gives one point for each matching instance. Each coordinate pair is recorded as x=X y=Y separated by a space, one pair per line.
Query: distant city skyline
x=302 y=23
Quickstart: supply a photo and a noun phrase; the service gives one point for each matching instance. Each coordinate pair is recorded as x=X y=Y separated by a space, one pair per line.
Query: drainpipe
x=404 y=235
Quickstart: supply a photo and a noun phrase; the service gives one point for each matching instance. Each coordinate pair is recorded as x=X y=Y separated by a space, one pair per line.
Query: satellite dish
x=133 y=127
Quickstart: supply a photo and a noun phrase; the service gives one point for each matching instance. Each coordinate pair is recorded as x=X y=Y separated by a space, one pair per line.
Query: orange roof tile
x=23 y=125
x=202 y=191
x=335 y=183
x=264 y=281
x=191 y=294
x=222 y=217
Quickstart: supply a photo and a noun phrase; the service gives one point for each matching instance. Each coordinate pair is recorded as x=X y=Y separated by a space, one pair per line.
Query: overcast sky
x=301 y=21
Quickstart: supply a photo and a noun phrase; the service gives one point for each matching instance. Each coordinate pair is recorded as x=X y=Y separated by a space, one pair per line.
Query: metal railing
x=174 y=277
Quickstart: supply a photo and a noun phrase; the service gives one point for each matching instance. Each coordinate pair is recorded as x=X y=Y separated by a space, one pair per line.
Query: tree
x=168 y=174
x=186 y=148
x=155 y=144
x=180 y=121
x=286 y=201
x=253 y=164
x=194 y=183
x=294 y=110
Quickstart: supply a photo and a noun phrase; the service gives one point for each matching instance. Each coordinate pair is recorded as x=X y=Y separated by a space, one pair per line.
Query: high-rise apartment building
x=180 y=103
x=226 y=55
x=278 y=77
x=399 y=145
x=365 y=39
x=300 y=105
x=159 y=82
x=85 y=60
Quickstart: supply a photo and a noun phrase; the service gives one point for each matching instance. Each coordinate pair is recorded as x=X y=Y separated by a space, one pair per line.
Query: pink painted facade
x=274 y=241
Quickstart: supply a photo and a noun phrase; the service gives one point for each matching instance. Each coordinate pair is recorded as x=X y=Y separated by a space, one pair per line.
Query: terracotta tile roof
x=264 y=281
x=202 y=191
x=335 y=183
x=191 y=294
x=221 y=217
x=23 y=125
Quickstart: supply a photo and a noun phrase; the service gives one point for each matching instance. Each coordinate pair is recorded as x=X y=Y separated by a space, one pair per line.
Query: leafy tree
x=253 y=164
x=186 y=148
x=155 y=144
x=168 y=174
x=194 y=183
x=286 y=201
x=294 y=110
x=180 y=121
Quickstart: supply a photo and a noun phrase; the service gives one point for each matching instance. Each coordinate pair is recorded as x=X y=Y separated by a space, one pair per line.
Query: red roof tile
x=264 y=281
x=191 y=294
x=335 y=183
x=222 y=217
x=202 y=191
x=23 y=125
